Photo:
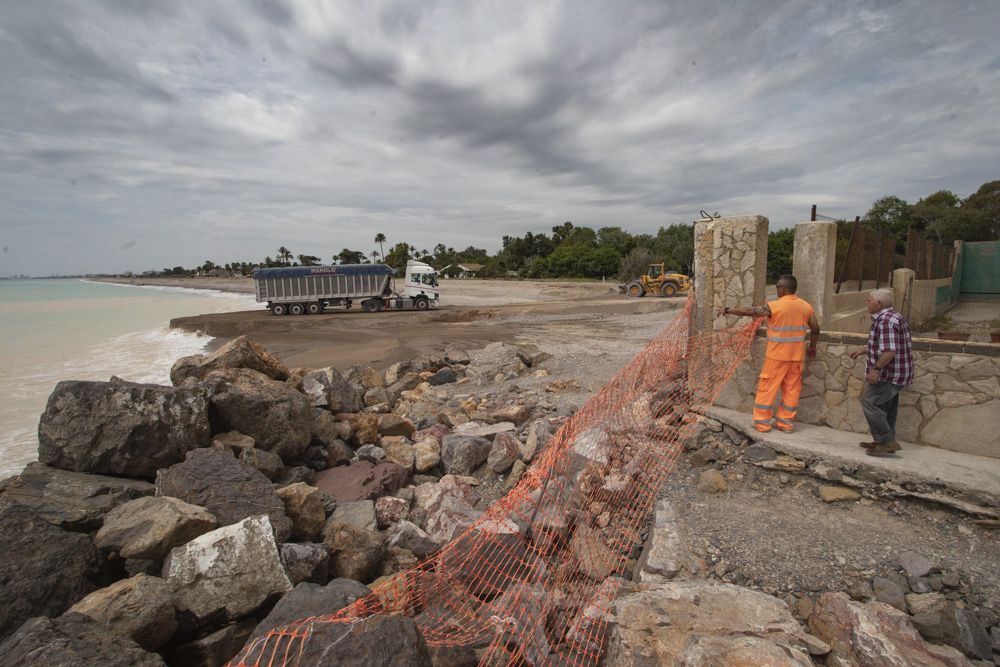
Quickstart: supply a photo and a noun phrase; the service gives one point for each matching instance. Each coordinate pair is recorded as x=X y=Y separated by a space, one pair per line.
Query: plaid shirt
x=890 y=332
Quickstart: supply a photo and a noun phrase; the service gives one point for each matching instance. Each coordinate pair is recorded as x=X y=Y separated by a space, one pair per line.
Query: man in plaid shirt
x=888 y=368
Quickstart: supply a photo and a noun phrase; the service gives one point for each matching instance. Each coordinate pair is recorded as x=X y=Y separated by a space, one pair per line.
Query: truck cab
x=421 y=282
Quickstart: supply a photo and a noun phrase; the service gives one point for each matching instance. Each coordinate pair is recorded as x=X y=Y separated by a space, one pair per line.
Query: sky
x=139 y=135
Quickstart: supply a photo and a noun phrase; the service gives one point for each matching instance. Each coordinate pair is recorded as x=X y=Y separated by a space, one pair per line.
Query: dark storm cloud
x=223 y=130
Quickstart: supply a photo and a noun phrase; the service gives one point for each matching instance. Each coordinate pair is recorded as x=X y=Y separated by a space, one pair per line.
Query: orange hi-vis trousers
x=775 y=375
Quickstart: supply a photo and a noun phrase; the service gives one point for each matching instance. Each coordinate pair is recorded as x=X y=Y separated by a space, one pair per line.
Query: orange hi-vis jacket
x=788 y=328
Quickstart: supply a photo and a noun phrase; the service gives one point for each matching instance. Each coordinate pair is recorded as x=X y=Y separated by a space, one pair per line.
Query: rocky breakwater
x=175 y=524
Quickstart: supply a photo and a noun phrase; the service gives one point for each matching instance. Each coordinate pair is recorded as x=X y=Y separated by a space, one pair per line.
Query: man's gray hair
x=884 y=296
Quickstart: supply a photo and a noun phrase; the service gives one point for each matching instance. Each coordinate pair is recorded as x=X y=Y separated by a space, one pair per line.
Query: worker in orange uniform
x=789 y=318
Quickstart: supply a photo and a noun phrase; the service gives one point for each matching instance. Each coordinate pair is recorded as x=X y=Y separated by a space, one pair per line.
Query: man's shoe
x=884 y=449
x=867 y=445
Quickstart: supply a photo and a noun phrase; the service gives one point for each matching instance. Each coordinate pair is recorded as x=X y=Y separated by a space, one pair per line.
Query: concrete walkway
x=956 y=479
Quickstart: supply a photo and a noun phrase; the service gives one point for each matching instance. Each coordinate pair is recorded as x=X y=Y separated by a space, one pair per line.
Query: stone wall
x=730 y=260
x=953 y=404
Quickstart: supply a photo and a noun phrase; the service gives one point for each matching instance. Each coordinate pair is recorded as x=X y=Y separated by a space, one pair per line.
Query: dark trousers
x=880 y=401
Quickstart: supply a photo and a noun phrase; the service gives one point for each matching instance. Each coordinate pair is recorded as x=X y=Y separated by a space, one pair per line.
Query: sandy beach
x=579 y=323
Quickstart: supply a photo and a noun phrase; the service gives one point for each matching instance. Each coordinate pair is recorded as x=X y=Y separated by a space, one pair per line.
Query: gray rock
x=962 y=629
x=928 y=625
x=370 y=453
x=294 y=475
x=277 y=417
x=140 y=608
x=408 y=382
x=759 y=454
x=358 y=513
x=503 y=452
x=121 y=428
x=665 y=552
x=456 y=355
x=378 y=395
x=71 y=500
x=395 y=372
x=73 y=639
x=444 y=508
x=226 y=574
x=230 y=490
x=242 y=352
x=365 y=376
x=462 y=454
x=338 y=453
x=355 y=553
x=537 y=437
x=148 y=528
x=916 y=565
x=889 y=592
x=234 y=440
x=215 y=648
x=342 y=396
x=43 y=569
x=406 y=535
x=443 y=376
x=305 y=562
x=268 y=463
x=309 y=599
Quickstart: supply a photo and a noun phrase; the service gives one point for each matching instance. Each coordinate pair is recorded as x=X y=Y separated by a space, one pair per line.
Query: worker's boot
x=884 y=449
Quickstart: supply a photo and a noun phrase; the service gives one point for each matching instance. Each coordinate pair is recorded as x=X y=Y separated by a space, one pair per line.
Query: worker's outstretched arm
x=756 y=311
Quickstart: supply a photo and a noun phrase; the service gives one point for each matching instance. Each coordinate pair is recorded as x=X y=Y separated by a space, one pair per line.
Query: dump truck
x=309 y=290
x=657 y=282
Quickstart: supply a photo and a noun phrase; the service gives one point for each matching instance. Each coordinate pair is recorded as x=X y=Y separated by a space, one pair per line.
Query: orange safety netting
x=531 y=582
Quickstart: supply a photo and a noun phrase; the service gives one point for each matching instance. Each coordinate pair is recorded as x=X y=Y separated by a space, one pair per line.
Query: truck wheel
x=296 y=309
x=371 y=305
x=421 y=304
x=314 y=308
x=669 y=289
x=635 y=288
x=279 y=309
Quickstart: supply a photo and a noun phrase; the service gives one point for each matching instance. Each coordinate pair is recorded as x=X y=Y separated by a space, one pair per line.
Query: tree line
x=572 y=251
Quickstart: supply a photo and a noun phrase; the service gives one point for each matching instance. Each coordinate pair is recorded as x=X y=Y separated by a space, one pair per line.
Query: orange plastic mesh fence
x=531 y=582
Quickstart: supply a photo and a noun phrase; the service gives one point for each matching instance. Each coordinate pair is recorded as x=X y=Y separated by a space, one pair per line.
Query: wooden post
x=878 y=262
x=812 y=216
x=863 y=236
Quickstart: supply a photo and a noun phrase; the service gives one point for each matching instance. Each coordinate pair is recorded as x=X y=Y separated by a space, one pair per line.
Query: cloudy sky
x=138 y=135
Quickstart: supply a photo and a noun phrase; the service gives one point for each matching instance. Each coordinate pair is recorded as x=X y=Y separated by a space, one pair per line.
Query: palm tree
x=284 y=254
x=380 y=239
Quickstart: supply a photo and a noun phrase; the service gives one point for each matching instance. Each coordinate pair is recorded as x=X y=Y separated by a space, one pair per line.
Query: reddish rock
x=361 y=480
x=437 y=430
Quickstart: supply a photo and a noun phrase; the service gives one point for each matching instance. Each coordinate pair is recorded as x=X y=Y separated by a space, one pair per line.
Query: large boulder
x=277 y=417
x=230 y=490
x=875 y=634
x=121 y=428
x=705 y=624
x=71 y=500
x=148 y=528
x=239 y=353
x=378 y=641
x=355 y=553
x=140 y=608
x=462 y=454
x=305 y=562
x=226 y=574
x=327 y=388
x=73 y=639
x=307 y=600
x=43 y=569
x=305 y=509
x=361 y=480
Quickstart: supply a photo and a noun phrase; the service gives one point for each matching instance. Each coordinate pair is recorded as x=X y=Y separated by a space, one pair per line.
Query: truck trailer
x=309 y=290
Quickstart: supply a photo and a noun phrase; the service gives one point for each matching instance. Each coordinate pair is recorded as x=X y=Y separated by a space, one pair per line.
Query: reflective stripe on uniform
x=759 y=406
x=763 y=421
x=790 y=408
x=792 y=328
x=784 y=421
x=796 y=339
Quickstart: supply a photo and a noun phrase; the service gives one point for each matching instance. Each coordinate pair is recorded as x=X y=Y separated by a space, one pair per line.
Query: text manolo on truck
x=310 y=290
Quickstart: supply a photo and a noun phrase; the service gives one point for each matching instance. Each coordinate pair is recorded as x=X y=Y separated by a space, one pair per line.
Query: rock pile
x=169 y=521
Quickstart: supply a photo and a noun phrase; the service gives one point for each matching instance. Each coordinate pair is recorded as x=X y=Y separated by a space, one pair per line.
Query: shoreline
x=231 y=285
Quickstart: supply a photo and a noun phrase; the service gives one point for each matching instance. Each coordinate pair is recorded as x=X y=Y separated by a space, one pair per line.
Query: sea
x=67 y=329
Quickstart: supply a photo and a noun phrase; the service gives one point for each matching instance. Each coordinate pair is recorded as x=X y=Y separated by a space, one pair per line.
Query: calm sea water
x=52 y=330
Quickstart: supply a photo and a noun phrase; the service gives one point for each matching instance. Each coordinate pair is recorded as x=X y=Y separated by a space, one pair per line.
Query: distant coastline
x=235 y=285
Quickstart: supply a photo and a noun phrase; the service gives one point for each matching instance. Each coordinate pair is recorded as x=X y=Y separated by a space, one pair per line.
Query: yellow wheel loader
x=658 y=283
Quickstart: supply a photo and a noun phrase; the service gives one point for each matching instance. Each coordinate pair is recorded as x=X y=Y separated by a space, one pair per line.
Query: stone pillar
x=902 y=291
x=730 y=268
x=813 y=261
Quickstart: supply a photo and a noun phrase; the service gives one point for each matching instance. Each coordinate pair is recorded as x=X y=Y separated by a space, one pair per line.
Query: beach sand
x=578 y=321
